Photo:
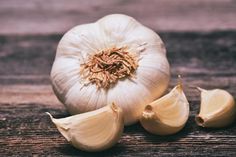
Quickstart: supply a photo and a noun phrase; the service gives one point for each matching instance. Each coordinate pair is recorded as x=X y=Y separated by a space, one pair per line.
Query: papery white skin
x=116 y=30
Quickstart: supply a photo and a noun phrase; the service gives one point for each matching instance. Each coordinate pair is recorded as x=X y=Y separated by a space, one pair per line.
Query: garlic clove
x=167 y=115
x=217 y=108
x=92 y=131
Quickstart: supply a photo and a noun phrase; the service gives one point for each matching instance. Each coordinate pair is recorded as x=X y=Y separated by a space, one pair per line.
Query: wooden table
x=207 y=60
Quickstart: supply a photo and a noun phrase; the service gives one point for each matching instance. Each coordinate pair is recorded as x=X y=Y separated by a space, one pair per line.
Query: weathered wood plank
x=26 y=129
x=43 y=17
x=204 y=59
x=28 y=93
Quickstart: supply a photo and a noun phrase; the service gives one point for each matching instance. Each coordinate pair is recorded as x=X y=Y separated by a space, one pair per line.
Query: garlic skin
x=92 y=131
x=167 y=115
x=150 y=78
x=217 y=108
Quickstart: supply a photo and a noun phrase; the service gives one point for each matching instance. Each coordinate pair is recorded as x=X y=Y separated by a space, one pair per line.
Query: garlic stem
x=108 y=66
x=180 y=83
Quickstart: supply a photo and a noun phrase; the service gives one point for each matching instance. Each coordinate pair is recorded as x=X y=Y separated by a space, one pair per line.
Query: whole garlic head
x=115 y=59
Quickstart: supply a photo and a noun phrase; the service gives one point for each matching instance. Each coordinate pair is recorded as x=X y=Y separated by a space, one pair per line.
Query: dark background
x=57 y=16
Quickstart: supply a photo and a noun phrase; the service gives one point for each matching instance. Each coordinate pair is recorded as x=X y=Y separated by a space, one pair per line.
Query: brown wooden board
x=207 y=60
x=57 y=16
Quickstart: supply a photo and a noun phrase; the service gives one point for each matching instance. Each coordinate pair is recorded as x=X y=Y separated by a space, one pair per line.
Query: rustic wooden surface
x=57 y=16
x=207 y=60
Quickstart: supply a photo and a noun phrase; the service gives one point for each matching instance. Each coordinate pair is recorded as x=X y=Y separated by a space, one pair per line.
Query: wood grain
x=207 y=60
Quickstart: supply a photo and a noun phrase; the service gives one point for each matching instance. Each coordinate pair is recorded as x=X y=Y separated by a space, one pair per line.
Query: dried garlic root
x=168 y=114
x=92 y=131
x=217 y=108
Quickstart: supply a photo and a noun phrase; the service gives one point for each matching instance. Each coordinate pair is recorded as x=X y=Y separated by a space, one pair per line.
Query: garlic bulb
x=217 y=109
x=167 y=115
x=92 y=131
x=115 y=59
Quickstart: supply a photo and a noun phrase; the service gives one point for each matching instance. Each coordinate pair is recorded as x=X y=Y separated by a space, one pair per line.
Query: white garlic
x=115 y=59
x=217 y=108
x=92 y=131
x=166 y=115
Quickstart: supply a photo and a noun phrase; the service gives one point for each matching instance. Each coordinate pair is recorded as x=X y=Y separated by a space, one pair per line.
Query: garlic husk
x=217 y=108
x=167 y=115
x=150 y=79
x=92 y=131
